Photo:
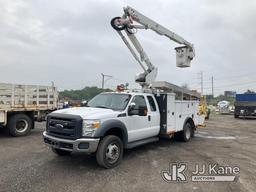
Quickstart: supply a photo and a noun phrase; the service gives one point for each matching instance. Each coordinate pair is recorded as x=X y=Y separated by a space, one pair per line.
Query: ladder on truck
x=180 y=92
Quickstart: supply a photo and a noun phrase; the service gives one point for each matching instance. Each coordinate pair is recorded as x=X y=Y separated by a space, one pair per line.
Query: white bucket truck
x=114 y=121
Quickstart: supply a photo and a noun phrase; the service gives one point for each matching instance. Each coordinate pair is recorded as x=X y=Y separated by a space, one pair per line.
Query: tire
x=60 y=152
x=19 y=125
x=187 y=133
x=110 y=144
x=236 y=116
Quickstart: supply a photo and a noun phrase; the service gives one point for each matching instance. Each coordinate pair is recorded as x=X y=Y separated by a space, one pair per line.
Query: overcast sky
x=71 y=42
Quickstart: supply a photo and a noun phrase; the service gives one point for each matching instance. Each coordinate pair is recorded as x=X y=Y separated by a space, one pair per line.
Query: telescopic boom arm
x=184 y=54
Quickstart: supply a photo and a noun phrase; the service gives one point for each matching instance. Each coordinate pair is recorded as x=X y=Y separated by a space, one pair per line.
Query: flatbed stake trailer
x=22 y=105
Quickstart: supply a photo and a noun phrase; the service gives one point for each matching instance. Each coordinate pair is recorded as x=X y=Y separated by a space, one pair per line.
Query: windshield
x=110 y=101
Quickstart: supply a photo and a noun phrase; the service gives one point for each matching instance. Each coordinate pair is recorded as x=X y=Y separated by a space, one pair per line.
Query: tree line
x=80 y=95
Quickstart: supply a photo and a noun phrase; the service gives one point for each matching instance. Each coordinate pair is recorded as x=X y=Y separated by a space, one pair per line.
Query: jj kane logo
x=177 y=172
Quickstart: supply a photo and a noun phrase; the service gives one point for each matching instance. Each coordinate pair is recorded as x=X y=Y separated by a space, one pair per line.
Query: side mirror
x=141 y=111
x=132 y=106
x=131 y=110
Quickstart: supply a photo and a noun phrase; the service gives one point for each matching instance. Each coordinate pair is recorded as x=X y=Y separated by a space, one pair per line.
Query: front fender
x=110 y=124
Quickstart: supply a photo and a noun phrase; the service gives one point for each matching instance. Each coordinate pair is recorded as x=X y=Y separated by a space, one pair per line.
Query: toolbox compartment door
x=171 y=110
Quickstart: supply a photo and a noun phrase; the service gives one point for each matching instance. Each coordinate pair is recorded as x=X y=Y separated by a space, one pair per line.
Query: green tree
x=84 y=94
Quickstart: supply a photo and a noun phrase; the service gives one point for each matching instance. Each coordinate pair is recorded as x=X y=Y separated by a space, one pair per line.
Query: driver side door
x=138 y=125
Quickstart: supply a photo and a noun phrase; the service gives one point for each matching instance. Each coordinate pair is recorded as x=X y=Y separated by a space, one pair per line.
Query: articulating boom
x=184 y=54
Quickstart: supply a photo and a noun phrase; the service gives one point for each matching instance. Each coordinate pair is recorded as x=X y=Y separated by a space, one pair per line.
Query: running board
x=141 y=142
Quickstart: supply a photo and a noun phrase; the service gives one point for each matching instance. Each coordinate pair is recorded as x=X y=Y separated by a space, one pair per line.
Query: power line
x=235 y=76
x=232 y=85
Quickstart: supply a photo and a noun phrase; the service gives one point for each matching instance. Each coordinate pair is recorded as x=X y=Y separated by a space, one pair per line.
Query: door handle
x=149 y=118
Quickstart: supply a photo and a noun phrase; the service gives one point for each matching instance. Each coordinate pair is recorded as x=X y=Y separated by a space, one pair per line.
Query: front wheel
x=110 y=151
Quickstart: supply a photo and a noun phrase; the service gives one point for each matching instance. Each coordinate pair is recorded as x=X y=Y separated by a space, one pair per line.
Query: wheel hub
x=21 y=125
x=112 y=153
x=188 y=133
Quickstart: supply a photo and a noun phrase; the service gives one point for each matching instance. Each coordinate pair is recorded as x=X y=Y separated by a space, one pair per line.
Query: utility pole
x=103 y=79
x=102 y=85
x=212 y=88
x=202 y=85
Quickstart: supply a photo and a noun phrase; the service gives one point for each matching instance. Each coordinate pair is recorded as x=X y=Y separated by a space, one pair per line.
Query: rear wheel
x=19 y=125
x=110 y=151
x=61 y=152
x=187 y=132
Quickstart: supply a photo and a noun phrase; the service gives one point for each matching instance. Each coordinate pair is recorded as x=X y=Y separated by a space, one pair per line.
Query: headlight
x=89 y=126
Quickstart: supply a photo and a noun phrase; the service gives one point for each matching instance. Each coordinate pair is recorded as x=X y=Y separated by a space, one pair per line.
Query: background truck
x=223 y=107
x=245 y=105
x=22 y=105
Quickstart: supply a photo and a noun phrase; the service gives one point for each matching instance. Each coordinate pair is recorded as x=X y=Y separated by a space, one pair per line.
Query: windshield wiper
x=101 y=106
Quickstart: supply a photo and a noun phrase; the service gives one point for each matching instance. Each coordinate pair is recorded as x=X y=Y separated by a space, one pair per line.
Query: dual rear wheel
x=19 y=124
x=187 y=133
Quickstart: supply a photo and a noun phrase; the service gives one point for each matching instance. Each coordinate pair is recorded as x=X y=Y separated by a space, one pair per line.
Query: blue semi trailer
x=245 y=105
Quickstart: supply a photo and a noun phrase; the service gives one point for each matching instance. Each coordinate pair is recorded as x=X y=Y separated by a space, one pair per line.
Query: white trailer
x=21 y=105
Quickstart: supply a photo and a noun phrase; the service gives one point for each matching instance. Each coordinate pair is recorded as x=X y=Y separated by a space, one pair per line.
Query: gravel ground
x=26 y=164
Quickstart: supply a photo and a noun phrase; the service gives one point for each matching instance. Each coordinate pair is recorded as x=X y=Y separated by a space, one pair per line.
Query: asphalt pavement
x=26 y=164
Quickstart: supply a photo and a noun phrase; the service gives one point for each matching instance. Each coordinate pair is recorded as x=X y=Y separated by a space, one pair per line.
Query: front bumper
x=87 y=145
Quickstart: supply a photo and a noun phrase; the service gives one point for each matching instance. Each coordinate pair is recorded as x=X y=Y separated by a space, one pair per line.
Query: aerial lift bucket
x=183 y=56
